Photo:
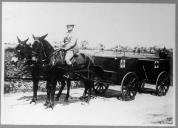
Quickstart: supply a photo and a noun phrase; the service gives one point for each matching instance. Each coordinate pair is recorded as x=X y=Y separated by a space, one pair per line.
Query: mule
x=80 y=70
x=58 y=69
x=41 y=54
x=23 y=52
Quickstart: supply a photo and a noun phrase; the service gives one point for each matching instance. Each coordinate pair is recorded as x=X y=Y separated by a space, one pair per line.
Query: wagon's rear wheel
x=162 y=83
x=100 y=88
x=129 y=86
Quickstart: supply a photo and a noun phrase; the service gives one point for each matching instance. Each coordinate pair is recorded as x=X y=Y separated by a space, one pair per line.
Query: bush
x=7 y=89
x=21 y=85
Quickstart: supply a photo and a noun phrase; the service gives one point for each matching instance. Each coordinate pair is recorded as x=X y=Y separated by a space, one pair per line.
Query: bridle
x=43 y=51
x=21 y=54
x=24 y=60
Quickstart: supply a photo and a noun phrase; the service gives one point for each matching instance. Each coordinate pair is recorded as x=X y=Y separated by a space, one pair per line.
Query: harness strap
x=43 y=50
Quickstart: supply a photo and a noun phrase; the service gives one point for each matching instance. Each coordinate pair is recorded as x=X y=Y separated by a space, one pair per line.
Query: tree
x=101 y=47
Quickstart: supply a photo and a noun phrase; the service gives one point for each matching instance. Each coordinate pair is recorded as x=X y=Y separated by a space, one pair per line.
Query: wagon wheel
x=129 y=86
x=162 y=84
x=100 y=88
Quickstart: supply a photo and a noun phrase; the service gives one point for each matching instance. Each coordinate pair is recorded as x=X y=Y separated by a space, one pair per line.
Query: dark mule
x=22 y=54
x=38 y=68
x=40 y=58
x=82 y=65
x=41 y=54
x=59 y=69
x=22 y=51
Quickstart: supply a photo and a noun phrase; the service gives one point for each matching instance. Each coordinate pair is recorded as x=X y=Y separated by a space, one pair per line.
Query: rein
x=43 y=50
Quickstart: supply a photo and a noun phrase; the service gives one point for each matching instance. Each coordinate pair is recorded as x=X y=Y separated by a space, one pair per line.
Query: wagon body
x=133 y=72
x=115 y=68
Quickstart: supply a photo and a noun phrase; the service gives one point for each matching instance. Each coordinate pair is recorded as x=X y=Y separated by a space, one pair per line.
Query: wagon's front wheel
x=129 y=86
x=162 y=84
x=100 y=88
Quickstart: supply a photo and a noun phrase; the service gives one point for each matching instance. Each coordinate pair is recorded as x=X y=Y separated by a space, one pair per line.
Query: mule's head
x=22 y=51
x=38 y=48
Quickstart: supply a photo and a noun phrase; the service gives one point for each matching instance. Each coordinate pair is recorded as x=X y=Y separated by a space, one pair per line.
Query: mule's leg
x=87 y=84
x=90 y=86
x=85 y=91
x=53 y=89
x=87 y=88
x=48 y=94
x=61 y=89
x=35 y=88
x=68 y=90
x=89 y=93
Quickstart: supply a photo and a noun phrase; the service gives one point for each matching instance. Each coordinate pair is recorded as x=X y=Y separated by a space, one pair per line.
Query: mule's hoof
x=33 y=100
x=47 y=106
x=92 y=97
x=66 y=100
x=82 y=97
x=46 y=103
x=50 y=106
x=87 y=100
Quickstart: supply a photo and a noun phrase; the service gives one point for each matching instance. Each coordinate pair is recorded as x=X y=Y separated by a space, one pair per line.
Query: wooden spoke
x=129 y=85
x=162 y=84
x=100 y=88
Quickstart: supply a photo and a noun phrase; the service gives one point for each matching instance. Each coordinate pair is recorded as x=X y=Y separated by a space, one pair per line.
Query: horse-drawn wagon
x=132 y=73
x=129 y=71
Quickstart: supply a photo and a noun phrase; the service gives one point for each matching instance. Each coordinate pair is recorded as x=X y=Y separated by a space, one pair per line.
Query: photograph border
x=175 y=77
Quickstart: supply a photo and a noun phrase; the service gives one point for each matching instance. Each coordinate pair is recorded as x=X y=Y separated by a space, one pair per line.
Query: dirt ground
x=145 y=109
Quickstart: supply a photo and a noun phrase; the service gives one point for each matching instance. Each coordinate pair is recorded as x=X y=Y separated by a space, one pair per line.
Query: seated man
x=70 y=43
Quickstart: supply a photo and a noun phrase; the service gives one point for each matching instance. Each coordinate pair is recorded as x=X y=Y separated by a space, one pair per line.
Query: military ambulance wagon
x=131 y=73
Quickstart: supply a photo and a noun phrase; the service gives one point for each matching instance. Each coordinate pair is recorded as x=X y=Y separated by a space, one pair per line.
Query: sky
x=127 y=24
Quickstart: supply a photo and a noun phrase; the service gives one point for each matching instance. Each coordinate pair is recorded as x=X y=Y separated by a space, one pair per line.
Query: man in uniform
x=69 y=43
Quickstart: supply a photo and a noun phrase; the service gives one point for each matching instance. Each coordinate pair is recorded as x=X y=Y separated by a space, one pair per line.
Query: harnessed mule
x=24 y=52
x=42 y=51
x=80 y=70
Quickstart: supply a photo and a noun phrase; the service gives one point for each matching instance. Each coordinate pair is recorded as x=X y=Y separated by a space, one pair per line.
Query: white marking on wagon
x=122 y=63
x=156 y=64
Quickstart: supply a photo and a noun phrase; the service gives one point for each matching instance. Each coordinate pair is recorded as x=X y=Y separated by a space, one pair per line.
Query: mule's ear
x=25 y=41
x=19 y=39
x=43 y=37
x=33 y=37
